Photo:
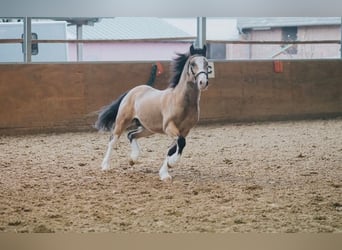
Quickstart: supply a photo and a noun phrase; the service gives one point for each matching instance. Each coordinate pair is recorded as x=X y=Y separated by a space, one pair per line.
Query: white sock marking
x=173 y=159
x=106 y=160
x=135 y=150
x=163 y=172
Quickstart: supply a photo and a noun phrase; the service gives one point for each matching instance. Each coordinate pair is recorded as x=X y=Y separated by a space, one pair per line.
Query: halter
x=196 y=75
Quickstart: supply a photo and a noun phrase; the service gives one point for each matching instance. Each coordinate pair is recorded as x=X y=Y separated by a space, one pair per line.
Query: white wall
x=53 y=52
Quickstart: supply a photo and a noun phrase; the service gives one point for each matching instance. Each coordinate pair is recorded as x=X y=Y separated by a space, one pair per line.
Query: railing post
x=27 y=39
x=341 y=39
x=79 y=45
x=201 y=32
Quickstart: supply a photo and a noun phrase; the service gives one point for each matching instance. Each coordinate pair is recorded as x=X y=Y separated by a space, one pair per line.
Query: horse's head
x=198 y=67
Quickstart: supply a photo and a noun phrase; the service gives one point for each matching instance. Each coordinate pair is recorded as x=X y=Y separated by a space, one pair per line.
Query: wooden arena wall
x=64 y=97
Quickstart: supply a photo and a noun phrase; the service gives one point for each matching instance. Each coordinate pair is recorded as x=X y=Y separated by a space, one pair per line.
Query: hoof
x=105 y=166
x=166 y=178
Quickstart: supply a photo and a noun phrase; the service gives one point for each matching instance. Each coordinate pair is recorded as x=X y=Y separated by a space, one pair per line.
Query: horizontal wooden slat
x=52 y=97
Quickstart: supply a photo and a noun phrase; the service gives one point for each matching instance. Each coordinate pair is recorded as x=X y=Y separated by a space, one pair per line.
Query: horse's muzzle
x=202 y=80
x=203 y=83
x=205 y=86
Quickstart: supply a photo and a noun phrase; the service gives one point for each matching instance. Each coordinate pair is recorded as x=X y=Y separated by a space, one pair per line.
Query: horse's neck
x=187 y=90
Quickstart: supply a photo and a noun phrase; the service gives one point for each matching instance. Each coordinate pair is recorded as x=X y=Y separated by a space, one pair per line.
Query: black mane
x=179 y=63
x=177 y=68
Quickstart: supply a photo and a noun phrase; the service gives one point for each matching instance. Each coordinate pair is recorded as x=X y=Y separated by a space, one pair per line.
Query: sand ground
x=262 y=177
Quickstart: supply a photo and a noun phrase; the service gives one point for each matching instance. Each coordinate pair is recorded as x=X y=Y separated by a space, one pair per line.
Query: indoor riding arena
x=266 y=155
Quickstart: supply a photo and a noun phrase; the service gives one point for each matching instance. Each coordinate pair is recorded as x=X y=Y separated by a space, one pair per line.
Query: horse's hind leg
x=120 y=126
x=134 y=144
x=133 y=136
x=106 y=160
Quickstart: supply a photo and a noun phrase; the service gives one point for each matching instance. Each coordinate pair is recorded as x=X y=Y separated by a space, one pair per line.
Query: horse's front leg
x=173 y=156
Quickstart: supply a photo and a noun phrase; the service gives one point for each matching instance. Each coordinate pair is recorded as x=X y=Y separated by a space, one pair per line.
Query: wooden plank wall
x=63 y=97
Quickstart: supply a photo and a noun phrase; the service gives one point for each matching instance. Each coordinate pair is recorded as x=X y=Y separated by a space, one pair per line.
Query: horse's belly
x=151 y=121
x=148 y=111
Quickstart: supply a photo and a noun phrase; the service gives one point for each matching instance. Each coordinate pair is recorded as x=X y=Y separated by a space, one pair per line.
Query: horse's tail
x=107 y=116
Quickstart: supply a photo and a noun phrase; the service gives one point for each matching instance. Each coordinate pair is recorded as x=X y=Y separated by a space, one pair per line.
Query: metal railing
x=166 y=40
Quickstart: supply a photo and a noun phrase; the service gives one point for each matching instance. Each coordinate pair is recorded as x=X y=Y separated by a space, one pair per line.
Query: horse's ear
x=199 y=51
x=192 y=50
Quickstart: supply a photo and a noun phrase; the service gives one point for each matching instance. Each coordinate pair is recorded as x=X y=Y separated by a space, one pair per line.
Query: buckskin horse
x=144 y=110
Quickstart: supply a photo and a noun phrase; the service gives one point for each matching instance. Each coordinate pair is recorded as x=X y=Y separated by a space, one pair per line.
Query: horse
x=144 y=110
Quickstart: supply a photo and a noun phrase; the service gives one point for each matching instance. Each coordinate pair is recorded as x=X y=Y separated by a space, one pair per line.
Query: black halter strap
x=201 y=72
x=196 y=75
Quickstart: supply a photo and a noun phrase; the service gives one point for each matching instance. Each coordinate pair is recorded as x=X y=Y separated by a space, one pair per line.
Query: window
x=217 y=51
x=290 y=34
x=34 y=46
